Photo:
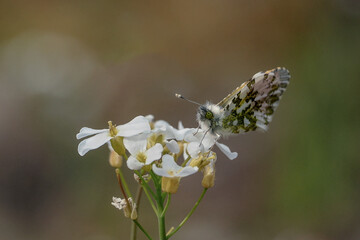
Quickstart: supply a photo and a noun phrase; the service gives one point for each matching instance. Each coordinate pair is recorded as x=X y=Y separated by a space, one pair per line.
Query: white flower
x=199 y=144
x=170 y=169
x=173 y=146
x=140 y=156
x=169 y=131
x=136 y=126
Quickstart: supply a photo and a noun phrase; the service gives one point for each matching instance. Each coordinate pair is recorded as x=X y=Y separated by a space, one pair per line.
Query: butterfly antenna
x=182 y=97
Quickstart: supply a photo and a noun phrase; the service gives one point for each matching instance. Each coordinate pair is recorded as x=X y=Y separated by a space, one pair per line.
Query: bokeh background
x=69 y=64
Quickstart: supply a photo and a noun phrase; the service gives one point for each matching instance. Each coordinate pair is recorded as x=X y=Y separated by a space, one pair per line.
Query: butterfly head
x=209 y=116
x=205 y=113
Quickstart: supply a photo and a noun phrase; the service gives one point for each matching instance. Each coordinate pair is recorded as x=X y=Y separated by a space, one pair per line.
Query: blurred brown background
x=69 y=64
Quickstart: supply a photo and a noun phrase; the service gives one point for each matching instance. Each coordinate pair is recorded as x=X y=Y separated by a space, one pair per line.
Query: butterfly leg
x=197 y=130
x=204 y=136
x=217 y=138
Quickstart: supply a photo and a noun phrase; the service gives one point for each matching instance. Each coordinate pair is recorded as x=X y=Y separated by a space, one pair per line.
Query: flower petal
x=226 y=150
x=169 y=164
x=185 y=155
x=190 y=136
x=161 y=123
x=136 y=126
x=209 y=141
x=180 y=125
x=154 y=153
x=160 y=171
x=149 y=117
x=85 y=131
x=182 y=133
x=93 y=142
x=136 y=144
x=173 y=146
x=186 y=171
x=133 y=163
x=194 y=149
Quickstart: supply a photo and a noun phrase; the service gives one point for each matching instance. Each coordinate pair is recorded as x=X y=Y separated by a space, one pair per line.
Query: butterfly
x=249 y=107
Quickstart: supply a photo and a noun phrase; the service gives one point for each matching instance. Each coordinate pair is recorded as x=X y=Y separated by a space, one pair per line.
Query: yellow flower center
x=171 y=173
x=141 y=157
x=112 y=129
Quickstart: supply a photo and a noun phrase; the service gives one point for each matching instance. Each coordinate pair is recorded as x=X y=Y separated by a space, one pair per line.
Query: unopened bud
x=115 y=159
x=154 y=139
x=170 y=185
x=134 y=213
x=208 y=180
x=127 y=211
x=118 y=145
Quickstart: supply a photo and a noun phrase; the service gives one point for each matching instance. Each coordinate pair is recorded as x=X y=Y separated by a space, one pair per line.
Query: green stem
x=150 y=200
x=160 y=206
x=167 y=205
x=122 y=187
x=145 y=184
x=156 y=180
x=161 y=217
x=189 y=214
x=142 y=229
x=186 y=161
x=126 y=188
x=133 y=225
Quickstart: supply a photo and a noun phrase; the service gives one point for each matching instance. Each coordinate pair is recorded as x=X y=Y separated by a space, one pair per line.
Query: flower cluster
x=157 y=147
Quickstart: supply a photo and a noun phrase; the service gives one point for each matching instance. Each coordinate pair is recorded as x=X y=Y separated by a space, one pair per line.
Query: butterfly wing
x=251 y=106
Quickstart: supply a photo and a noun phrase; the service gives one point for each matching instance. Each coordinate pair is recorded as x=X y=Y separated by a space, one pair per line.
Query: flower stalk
x=189 y=214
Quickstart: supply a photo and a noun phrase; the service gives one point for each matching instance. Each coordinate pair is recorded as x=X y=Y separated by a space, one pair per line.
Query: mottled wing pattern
x=251 y=106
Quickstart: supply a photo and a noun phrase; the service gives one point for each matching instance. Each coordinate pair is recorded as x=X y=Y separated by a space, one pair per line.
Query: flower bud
x=154 y=139
x=134 y=215
x=170 y=185
x=127 y=211
x=208 y=180
x=118 y=145
x=115 y=160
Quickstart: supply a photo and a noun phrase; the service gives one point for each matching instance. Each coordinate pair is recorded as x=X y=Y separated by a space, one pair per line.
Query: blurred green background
x=69 y=64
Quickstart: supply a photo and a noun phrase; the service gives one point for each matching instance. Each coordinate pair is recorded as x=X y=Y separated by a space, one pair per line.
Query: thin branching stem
x=167 y=204
x=126 y=188
x=146 y=188
x=145 y=184
x=122 y=187
x=142 y=229
x=133 y=225
x=189 y=214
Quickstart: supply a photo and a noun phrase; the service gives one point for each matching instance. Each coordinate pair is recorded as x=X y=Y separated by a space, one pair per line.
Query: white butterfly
x=249 y=107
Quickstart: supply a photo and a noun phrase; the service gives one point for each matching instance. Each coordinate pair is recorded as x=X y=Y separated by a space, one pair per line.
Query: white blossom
x=173 y=146
x=198 y=144
x=101 y=136
x=170 y=168
x=139 y=154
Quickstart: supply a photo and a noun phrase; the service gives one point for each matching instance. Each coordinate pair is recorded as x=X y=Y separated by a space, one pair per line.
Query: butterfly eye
x=209 y=115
